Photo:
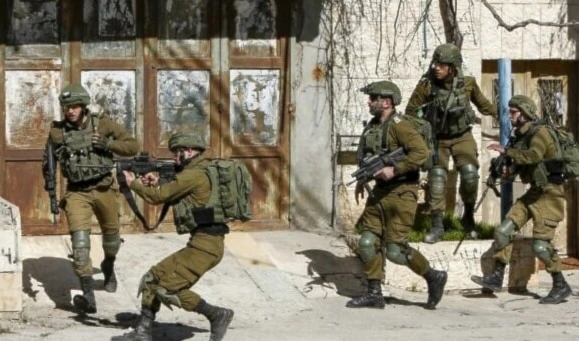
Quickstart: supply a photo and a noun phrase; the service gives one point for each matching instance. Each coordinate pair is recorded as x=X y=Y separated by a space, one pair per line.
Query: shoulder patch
x=397 y=119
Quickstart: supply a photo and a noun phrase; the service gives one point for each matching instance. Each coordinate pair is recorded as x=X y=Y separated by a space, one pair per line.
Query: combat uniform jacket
x=390 y=135
x=458 y=124
x=121 y=143
x=529 y=151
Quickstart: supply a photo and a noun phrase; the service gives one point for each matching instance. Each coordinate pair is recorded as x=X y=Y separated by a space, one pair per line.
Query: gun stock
x=49 y=173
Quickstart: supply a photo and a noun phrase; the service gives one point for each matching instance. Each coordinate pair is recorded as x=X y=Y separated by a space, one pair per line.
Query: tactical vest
x=374 y=139
x=453 y=111
x=77 y=152
x=536 y=174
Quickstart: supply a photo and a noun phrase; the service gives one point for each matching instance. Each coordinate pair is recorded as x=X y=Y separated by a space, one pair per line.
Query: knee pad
x=504 y=234
x=468 y=183
x=111 y=244
x=81 y=247
x=367 y=246
x=437 y=183
x=397 y=253
x=544 y=251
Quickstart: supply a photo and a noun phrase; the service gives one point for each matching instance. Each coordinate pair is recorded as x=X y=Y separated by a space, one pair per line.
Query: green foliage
x=452 y=228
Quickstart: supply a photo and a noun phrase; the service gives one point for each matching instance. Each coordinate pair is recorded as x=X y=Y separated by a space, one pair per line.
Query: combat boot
x=493 y=281
x=86 y=302
x=372 y=299
x=436 y=280
x=560 y=291
x=437 y=229
x=467 y=221
x=144 y=329
x=220 y=318
x=108 y=269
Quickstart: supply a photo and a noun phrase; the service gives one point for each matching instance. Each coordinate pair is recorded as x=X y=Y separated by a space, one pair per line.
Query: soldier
x=169 y=281
x=446 y=94
x=543 y=202
x=86 y=139
x=390 y=209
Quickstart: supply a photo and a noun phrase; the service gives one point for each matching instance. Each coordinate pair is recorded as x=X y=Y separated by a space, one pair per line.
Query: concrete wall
x=356 y=42
x=10 y=261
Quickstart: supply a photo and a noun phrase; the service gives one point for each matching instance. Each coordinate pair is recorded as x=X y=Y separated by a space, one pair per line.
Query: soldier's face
x=180 y=155
x=73 y=113
x=377 y=104
x=516 y=116
x=441 y=70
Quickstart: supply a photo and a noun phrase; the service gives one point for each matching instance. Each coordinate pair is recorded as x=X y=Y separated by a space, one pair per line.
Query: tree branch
x=511 y=28
x=451 y=29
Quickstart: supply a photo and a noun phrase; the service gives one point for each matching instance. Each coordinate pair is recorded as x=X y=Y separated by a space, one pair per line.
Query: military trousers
x=81 y=206
x=177 y=273
x=463 y=150
x=389 y=214
x=546 y=207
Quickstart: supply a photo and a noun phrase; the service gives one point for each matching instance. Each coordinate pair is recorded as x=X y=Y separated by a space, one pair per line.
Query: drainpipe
x=505 y=91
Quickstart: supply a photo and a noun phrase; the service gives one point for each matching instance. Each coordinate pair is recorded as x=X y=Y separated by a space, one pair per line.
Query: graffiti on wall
x=33 y=22
x=183 y=28
x=254 y=106
x=255 y=24
x=109 y=28
x=112 y=92
x=31 y=105
x=183 y=103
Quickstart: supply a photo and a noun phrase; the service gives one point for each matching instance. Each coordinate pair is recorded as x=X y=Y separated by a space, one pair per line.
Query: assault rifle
x=140 y=165
x=371 y=164
x=495 y=171
x=49 y=173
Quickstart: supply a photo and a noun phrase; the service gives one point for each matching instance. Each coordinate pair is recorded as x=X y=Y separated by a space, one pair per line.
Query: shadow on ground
x=344 y=273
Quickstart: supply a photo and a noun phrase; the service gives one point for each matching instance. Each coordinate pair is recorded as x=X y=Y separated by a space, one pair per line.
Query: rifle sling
x=133 y=205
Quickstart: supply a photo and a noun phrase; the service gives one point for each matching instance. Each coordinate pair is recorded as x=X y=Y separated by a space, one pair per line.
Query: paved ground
x=284 y=285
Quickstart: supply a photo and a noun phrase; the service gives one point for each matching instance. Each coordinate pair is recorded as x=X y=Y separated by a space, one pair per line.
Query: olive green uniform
x=455 y=138
x=169 y=281
x=99 y=193
x=389 y=212
x=544 y=202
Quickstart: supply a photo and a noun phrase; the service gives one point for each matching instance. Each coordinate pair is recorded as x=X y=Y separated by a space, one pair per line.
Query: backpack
x=423 y=128
x=567 y=153
x=231 y=186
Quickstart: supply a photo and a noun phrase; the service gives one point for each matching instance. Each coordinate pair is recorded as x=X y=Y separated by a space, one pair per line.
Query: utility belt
x=452 y=136
x=212 y=229
x=410 y=177
x=85 y=186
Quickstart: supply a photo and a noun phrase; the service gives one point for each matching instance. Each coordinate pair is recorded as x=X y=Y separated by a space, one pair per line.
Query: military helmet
x=385 y=89
x=526 y=105
x=74 y=94
x=186 y=140
x=447 y=54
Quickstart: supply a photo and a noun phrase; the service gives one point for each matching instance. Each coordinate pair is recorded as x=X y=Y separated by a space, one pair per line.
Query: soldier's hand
x=359 y=192
x=100 y=142
x=150 y=179
x=385 y=173
x=496 y=147
x=129 y=177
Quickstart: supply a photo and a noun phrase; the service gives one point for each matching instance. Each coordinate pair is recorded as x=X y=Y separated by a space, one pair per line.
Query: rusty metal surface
x=130 y=54
x=32 y=29
x=254 y=28
x=110 y=27
x=25 y=188
x=31 y=106
x=183 y=28
x=265 y=197
x=183 y=103
x=254 y=107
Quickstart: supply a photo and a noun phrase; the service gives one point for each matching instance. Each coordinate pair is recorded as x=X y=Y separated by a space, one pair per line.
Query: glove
x=100 y=143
